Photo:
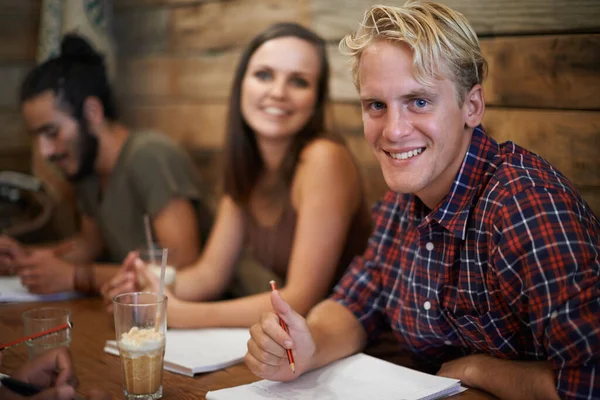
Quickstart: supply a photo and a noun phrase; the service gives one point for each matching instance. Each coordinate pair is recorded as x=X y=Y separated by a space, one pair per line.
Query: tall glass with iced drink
x=141 y=326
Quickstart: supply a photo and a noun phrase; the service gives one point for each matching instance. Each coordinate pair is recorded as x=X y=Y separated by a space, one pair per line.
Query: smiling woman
x=293 y=208
x=278 y=90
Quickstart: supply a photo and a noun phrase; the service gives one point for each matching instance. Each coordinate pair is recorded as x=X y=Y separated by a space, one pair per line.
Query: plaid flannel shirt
x=507 y=264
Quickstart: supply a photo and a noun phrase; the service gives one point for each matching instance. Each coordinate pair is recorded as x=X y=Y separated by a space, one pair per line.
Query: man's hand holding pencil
x=267 y=355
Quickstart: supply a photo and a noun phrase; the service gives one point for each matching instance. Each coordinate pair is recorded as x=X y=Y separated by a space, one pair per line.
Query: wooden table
x=92 y=326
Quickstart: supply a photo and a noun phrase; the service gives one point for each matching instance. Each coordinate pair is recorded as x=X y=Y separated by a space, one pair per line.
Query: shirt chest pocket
x=467 y=291
x=492 y=333
x=476 y=308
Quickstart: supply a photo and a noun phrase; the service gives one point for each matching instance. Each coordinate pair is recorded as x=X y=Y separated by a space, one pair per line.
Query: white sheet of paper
x=11 y=290
x=357 y=377
x=195 y=351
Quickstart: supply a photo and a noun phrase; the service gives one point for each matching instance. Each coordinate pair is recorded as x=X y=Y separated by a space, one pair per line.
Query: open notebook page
x=357 y=377
x=194 y=351
x=11 y=290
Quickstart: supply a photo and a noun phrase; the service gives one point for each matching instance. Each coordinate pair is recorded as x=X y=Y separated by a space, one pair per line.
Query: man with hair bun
x=484 y=261
x=119 y=176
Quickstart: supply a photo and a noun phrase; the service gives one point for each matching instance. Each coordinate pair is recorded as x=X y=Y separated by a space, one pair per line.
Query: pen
x=282 y=323
x=23 y=388
x=19 y=387
x=67 y=325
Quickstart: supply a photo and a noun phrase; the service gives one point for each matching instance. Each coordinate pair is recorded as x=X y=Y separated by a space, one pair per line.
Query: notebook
x=11 y=290
x=357 y=377
x=195 y=351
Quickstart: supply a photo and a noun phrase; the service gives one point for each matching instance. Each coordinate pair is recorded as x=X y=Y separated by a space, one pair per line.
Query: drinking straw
x=66 y=325
x=163 y=267
x=149 y=241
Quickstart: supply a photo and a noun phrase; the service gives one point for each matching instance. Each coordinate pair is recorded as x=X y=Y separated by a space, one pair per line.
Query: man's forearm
x=76 y=250
x=513 y=380
x=58 y=248
x=88 y=278
x=336 y=332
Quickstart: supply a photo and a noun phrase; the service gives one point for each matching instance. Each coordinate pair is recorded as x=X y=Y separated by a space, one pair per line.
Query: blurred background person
x=119 y=176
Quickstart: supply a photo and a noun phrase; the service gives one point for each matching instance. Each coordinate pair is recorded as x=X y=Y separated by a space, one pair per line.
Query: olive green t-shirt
x=150 y=171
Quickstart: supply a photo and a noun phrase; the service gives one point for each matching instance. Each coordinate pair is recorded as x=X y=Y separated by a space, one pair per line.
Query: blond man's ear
x=474 y=107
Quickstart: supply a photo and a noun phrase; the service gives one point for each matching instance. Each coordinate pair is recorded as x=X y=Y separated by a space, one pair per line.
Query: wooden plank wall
x=19 y=21
x=176 y=60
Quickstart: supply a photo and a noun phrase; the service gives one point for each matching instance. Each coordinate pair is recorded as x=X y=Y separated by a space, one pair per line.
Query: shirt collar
x=453 y=212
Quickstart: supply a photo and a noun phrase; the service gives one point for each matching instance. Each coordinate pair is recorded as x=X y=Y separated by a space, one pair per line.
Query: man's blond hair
x=442 y=41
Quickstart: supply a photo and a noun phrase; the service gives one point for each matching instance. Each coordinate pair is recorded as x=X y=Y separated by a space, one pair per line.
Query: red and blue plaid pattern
x=507 y=265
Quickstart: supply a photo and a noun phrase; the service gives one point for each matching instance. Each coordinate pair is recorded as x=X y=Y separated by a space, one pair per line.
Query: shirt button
x=429 y=246
x=554 y=315
x=427 y=306
x=447 y=342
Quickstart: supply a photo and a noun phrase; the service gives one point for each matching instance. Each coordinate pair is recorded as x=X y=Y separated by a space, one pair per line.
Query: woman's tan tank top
x=272 y=245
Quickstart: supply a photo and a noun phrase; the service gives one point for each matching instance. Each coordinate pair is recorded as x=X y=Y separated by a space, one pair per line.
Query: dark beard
x=88 y=152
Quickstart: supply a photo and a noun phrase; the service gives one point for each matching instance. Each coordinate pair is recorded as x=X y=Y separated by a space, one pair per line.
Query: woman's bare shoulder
x=324 y=151
x=327 y=167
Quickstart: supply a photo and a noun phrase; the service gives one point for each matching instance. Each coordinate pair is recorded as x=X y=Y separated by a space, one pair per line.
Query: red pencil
x=290 y=356
x=67 y=325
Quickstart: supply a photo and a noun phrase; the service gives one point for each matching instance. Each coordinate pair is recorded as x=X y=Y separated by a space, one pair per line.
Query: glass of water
x=41 y=319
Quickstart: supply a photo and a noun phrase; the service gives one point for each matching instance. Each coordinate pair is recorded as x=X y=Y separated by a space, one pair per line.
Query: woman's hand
x=134 y=276
x=126 y=280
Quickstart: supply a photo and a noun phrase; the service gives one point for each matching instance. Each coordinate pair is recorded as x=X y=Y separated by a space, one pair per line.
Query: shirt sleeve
x=160 y=172
x=549 y=269
x=360 y=290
